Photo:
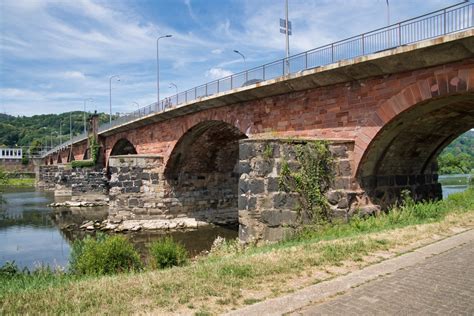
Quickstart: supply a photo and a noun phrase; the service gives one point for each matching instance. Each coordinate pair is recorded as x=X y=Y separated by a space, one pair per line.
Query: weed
x=167 y=253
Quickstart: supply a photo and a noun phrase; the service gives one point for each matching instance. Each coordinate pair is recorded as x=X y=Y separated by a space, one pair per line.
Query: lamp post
x=158 y=69
x=138 y=107
x=175 y=86
x=110 y=95
x=70 y=127
x=52 y=145
x=84 y=114
x=60 y=132
x=243 y=56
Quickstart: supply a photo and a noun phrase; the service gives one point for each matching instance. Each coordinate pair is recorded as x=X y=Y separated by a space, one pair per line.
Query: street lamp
x=84 y=114
x=60 y=132
x=158 y=69
x=245 y=61
x=175 y=86
x=138 y=107
x=110 y=95
x=52 y=145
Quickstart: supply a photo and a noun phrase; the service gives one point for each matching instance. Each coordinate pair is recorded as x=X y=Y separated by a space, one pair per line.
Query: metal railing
x=445 y=21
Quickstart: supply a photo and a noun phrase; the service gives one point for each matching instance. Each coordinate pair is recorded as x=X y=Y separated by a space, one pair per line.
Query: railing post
x=444 y=20
x=246 y=75
x=206 y=94
x=363 y=48
x=306 y=60
x=195 y=93
x=185 y=96
x=231 y=82
x=263 y=72
x=332 y=52
x=218 y=86
x=399 y=34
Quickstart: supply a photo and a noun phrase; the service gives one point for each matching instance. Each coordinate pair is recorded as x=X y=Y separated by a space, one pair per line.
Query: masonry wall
x=136 y=187
x=268 y=213
x=80 y=183
x=140 y=190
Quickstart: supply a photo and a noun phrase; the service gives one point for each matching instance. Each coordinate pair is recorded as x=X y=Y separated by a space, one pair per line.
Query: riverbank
x=231 y=277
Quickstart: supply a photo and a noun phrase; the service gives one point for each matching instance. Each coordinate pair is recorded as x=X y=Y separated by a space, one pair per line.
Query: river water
x=31 y=233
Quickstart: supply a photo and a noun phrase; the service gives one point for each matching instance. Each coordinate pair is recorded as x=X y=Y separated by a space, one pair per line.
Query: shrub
x=104 y=255
x=82 y=163
x=167 y=253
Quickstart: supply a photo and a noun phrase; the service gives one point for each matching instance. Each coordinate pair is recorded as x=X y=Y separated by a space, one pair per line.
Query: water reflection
x=32 y=233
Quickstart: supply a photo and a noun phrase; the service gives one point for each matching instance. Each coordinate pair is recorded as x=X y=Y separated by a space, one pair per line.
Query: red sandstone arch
x=123 y=147
x=59 y=159
x=410 y=130
x=202 y=147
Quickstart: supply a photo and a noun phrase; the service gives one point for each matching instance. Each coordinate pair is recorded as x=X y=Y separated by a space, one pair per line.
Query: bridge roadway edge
x=442 y=50
x=309 y=295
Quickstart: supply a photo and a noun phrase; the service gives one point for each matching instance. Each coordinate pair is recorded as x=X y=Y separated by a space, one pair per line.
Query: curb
x=320 y=291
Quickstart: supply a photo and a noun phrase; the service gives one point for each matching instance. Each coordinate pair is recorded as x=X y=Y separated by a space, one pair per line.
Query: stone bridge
x=386 y=116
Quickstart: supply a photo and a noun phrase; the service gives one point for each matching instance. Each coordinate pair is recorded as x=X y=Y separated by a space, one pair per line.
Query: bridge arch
x=418 y=123
x=202 y=171
x=123 y=147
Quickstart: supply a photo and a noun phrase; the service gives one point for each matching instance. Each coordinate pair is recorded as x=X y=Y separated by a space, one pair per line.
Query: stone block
x=283 y=200
x=401 y=180
x=334 y=196
x=274 y=234
x=261 y=167
x=344 y=168
x=246 y=150
x=273 y=184
x=244 y=167
x=279 y=217
x=339 y=151
x=132 y=202
x=256 y=186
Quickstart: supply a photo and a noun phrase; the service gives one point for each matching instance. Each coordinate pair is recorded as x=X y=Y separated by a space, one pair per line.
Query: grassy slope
x=233 y=277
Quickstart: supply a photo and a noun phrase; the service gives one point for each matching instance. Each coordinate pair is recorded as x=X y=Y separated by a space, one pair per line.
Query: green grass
x=20 y=182
x=222 y=276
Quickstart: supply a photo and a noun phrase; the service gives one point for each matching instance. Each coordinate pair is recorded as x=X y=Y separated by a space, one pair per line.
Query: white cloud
x=217 y=51
x=217 y=73
x=73 y=75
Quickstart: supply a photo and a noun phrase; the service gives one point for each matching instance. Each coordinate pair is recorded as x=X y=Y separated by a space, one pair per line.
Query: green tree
x=451 y=164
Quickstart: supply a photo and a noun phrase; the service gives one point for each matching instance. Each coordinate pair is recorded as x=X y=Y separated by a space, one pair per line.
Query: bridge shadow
x=201 y=175
x=403 y=155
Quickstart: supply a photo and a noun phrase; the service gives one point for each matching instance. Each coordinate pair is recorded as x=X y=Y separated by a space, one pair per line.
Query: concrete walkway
x=435 y=279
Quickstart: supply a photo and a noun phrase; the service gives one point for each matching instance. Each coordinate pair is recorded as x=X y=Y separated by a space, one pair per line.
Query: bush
x=104 y=255
x=82 y=163
x=167 y=253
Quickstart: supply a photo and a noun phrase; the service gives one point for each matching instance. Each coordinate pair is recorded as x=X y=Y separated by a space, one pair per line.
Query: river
x=31 y=233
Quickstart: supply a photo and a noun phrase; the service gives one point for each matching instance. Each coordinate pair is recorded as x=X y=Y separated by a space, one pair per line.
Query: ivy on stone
x=311 y=180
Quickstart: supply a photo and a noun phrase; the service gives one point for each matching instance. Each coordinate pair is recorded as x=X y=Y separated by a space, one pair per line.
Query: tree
x=450 y=163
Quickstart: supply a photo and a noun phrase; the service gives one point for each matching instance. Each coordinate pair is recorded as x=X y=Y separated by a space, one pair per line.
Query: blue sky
x=56 y=53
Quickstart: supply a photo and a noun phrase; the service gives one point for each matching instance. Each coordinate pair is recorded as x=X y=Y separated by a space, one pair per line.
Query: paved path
x=435 y=279
x=442 y=285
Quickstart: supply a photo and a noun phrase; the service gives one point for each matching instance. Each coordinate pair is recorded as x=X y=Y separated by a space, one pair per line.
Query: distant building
x=10 y=153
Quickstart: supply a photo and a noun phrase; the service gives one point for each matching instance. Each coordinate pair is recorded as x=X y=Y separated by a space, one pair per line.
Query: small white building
x=10 y=153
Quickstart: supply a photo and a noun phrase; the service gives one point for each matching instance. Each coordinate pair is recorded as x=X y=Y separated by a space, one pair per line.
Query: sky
x=54 y=54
